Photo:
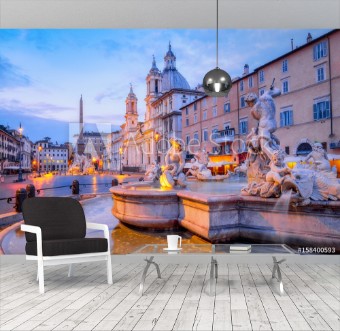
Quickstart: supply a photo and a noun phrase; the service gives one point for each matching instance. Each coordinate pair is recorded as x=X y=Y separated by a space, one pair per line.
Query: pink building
x=308 y=109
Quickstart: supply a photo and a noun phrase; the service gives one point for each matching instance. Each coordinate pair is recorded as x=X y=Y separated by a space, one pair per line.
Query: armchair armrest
x=37 y=230
x=31 y=228
x=98 y=226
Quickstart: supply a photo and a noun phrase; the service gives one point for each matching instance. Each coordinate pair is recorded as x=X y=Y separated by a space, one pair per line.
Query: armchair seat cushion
x=68 y=246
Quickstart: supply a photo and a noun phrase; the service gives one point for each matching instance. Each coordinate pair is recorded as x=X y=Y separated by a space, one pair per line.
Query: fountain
x=81 y=165
x=294 y=206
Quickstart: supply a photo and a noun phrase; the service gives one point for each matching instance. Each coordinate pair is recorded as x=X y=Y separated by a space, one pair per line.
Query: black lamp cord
x=216 y=33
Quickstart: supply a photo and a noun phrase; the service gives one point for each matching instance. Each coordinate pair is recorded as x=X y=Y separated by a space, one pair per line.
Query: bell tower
x=131 y=114
x=153 y=86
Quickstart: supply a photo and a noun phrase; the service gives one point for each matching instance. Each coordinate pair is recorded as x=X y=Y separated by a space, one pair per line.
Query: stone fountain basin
x=229 y=217
x=150 y=208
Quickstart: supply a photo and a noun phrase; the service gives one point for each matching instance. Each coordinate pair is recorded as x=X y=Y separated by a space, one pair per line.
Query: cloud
x=40 y=109
x=109 y=94
x=11 y=75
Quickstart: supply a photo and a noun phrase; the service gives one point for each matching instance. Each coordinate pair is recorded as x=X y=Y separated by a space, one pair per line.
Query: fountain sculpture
x=268 y=175
x=154 y=172
x=279 y=204
x=174 y=163
x=199 y=168
x=81 y=165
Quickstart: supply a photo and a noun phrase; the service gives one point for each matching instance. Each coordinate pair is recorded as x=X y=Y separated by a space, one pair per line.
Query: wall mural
x=259 y=166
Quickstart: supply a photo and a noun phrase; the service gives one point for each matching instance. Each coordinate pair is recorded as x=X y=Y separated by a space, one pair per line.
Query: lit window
x=286 y=117
x=320 y=50
x=321 y=109
x=244 y=125
x=285 y=65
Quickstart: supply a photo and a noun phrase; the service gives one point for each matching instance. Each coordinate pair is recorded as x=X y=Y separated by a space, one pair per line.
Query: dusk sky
x=44 y=72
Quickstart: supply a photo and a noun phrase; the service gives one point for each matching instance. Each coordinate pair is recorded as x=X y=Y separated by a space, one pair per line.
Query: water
x=99 y=209
x=282 y=203
x=229 y=186
x=123 y=239
x=96 y=184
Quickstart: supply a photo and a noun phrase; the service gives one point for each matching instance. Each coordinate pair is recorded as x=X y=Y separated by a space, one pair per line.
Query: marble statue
x=266 y=169
x=153 y=173
x=268 y=175
x=242 y=168
x=199 y=166
x=202 y=158
x=81 y=165
x=174 y=164
x=278 y=168
x=194 y=169
x=319 y=158
x=308 y=184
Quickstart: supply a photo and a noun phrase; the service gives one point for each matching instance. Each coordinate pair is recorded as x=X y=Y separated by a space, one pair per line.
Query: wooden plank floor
x=245 y=298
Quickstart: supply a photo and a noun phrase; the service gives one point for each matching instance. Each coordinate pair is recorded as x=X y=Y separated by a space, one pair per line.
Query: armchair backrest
x=58 y=217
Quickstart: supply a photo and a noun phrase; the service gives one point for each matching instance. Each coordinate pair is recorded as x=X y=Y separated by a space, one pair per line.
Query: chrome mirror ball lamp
x=217 y=82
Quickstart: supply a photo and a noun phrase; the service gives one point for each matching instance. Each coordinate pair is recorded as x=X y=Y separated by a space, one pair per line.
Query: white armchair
x=55 y=230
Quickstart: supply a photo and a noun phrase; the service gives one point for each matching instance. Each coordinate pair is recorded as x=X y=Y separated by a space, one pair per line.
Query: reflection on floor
x=245 y=298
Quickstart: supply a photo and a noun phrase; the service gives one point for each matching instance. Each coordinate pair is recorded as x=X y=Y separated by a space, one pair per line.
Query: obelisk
x=81 y=144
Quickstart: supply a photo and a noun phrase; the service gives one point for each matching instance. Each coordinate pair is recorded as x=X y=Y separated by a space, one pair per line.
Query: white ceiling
x=169 y=13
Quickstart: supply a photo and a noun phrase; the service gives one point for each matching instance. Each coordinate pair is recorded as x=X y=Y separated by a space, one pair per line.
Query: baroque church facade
x=167 y=92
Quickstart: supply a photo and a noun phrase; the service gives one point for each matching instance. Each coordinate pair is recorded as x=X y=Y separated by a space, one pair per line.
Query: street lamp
x=120 y=159
x=39 y=151
x=157 y=137
x=20 y=179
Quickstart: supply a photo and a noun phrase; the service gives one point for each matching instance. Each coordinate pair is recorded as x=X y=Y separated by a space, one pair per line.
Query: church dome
x=172 y=78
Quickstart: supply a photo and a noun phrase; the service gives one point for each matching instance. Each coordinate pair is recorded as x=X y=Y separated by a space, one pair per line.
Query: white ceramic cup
x=173 y=241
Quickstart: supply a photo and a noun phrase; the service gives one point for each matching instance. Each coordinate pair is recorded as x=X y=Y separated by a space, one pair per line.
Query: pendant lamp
x=217 y=82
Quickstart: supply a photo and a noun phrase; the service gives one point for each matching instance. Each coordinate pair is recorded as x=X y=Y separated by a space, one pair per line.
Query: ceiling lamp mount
x=217 y=82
